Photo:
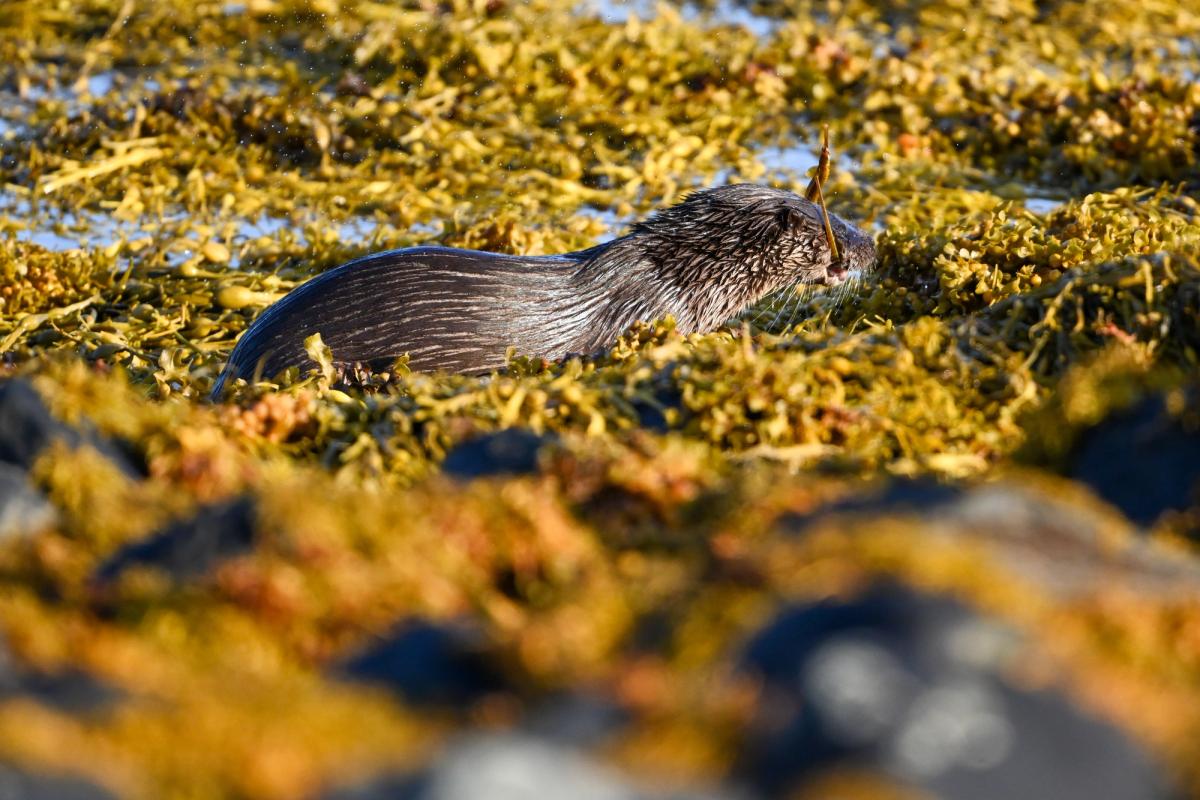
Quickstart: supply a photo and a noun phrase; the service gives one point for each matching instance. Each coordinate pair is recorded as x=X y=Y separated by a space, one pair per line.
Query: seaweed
x=614 y=527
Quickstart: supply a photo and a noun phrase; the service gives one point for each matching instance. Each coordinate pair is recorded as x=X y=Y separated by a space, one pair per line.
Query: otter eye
x=790 y=218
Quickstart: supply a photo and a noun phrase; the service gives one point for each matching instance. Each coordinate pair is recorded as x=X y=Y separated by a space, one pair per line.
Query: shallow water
x=1041 y=205
x=723 y=12
x=55 y=229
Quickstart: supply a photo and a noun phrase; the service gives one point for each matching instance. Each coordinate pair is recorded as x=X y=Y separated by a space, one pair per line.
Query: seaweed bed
x=932 y=535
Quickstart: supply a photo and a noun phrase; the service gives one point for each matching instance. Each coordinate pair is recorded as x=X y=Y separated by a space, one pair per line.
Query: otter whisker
x=801 y=300
x=778 y=305
x=791 y=302
x=762 y=312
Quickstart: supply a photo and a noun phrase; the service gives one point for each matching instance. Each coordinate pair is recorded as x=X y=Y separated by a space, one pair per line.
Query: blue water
x=724 y=12
x=56 y=229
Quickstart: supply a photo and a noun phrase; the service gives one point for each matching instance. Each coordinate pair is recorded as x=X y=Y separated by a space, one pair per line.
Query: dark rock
x=400 y=786
x=911 y=685
x=27 y=428
x=508 y=452
x=903 y=494
x=652 y=414
x=430 y=664
x=23 y=509
x=1065 y=544
x=26 y=425
x=17 y=784
x=70 y=690
x=1144 y=461
x=190 y=547
x=900 y=495
x=576 y=718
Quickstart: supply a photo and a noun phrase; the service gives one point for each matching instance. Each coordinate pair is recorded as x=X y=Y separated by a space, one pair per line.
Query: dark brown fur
x=701 y=261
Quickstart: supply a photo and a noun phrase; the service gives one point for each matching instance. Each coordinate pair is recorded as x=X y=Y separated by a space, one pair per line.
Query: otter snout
x=856 y=251
x=859 y=255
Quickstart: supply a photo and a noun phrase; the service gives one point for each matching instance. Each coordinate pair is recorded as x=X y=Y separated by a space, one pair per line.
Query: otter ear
x=790 y=218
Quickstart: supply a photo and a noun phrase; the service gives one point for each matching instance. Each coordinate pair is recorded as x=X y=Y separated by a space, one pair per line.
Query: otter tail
x=457 y=310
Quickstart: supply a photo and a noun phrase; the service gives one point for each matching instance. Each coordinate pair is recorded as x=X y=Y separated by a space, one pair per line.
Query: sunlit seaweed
x=169 y=169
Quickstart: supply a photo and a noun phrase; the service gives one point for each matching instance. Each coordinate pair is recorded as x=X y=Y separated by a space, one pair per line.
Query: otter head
x=725 y=248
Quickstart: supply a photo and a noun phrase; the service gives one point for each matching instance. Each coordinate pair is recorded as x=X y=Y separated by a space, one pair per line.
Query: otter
x=701 y=261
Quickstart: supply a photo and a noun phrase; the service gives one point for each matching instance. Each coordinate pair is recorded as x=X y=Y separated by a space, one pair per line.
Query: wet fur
x=701 y=261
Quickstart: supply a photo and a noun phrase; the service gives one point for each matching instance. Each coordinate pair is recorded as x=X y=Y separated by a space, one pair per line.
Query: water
x=95 y=86
x=790 y=162
x=56 y=229
x=362 y=230
x=13 y=109
x=723 y=12
x=1189 y=59
x=1040 y=199
x=798 y=158
x=1041 y=205
x=100 y=84
x=615 y=12
x=614 y=222
x=143 y=84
